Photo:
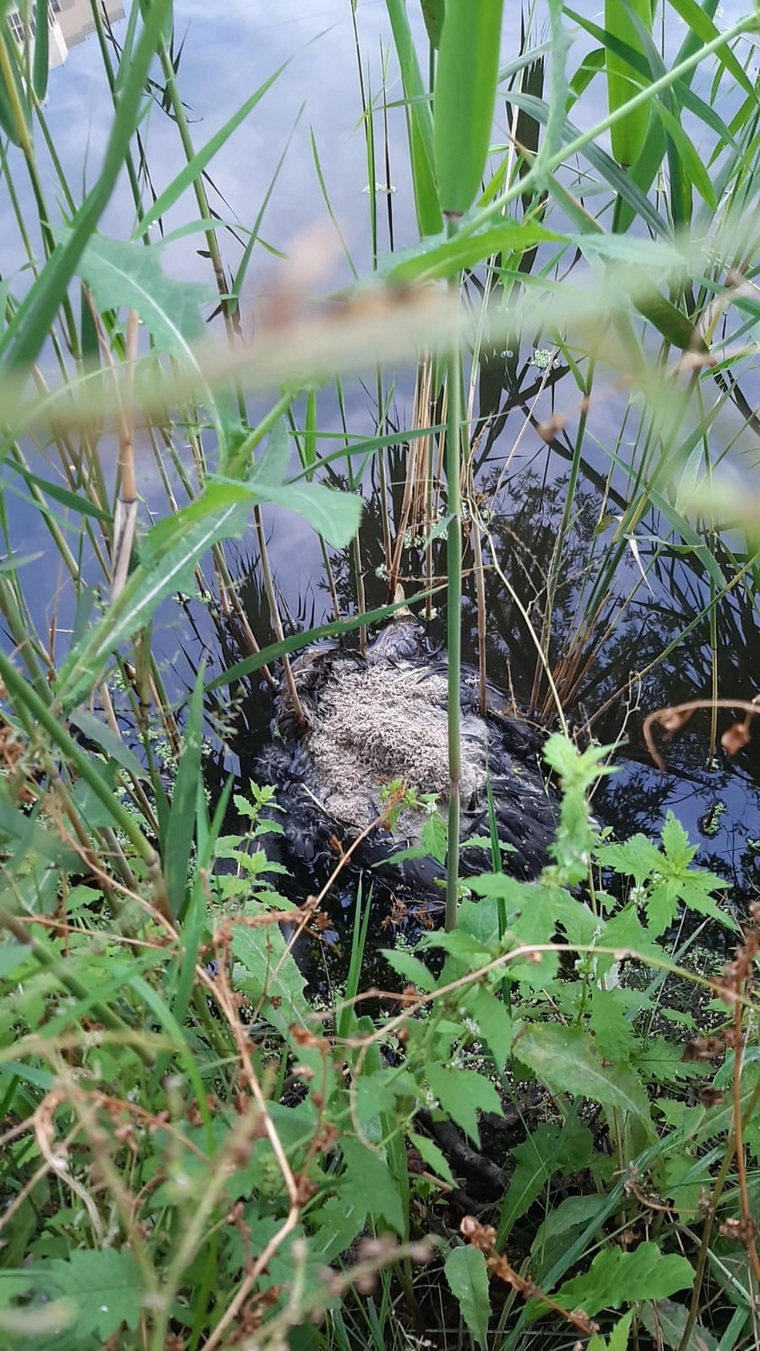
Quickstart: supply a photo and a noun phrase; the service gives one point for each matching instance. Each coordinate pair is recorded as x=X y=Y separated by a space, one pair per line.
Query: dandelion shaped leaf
x=565 y=1059
x=129 y=275
x=106 y=1287
x=467 y=1276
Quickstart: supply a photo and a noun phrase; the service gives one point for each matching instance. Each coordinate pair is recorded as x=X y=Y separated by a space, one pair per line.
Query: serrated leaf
x=636 y=858
x=369 y=1183
x=106 y=1286
x=613 y=1033
x=618 y=1278
x=618 y=1338
x=675 y=842
x=373 y=1097
x=462 y=1093
x=467 y=1275
x=565 y=1060
x=433 y=1156
x=410 y=967
x=494 y=1021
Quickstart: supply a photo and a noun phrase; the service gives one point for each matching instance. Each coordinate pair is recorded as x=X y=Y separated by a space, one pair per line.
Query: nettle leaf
x=565 y=1059
x=467 y=1275
x=435 y=837
x=695 y=894
x=613 y=1034
x=662 y=905
x=129 y=275
x=675 y=842
x=410 y=967
x=637 y=858
x=462 y=1093
x=662 y=1061
x=616 y=1278
x=106 y=1286
x=433 y=1156
x=369 y=1183
x=493 y=1019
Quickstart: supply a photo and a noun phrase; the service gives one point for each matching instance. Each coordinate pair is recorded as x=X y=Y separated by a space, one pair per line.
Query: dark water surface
x=227 y=50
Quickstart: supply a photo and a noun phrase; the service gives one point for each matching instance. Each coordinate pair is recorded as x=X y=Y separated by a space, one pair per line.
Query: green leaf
x=550 y=1149
x=494 y=1021
x=420 y=122
x=534 y=1165
x=613 y=1034
x=439 y=257
x=127 y=274
x=106 y=1286
x=618 y=1278
x=64 y=495
x=463 y=106
x=575 y=1212
x=8 y=122
x=111 y=744
x=565 y=1060
x=467 y=1275
x=41 y=50
x=618 y=1338
x=433 y=1156
x=370 y=1183
x=269 y=973
x=433 y=12
x=665 y=1321
x=629 y=132
x=410 y=967
x=215 y=515
x=461 y=1094
x=334 y=515
x=167 y=24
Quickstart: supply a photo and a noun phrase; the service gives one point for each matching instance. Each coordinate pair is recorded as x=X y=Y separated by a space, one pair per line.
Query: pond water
x=313 y=109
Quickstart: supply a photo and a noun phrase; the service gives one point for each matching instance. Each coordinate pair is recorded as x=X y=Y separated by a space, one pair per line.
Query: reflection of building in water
x=69 y=21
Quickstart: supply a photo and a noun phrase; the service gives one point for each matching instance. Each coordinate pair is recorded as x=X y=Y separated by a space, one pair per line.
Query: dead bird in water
x=376 y=719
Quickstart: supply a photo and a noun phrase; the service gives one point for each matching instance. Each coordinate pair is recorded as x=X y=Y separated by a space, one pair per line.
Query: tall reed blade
x=465 y=91
x=627 y=134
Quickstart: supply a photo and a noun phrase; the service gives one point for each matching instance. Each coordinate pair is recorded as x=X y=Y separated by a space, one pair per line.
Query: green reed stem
x=455 y=416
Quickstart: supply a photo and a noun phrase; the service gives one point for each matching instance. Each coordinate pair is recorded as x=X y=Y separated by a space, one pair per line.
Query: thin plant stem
x=454 y=615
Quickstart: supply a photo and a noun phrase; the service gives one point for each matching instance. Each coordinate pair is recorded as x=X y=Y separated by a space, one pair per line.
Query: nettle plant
x=194 y=1150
